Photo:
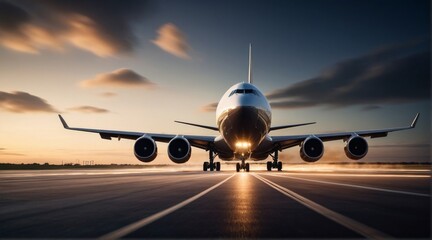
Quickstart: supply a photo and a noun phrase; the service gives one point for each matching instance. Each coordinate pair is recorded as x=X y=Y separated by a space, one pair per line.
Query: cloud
x=209 y=107
x=172 y=40
x=4 y=152
x=11 y=154
x=31 y=26
x=119 y=78
x=108 y=94
x=88 y=109
x=22 y=102
x=391 y=75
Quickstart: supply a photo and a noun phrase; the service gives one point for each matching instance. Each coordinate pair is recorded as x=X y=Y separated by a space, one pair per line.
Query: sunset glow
x=141 y=65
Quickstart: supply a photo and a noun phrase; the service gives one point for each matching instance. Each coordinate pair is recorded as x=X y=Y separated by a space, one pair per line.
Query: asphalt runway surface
x=138 y=203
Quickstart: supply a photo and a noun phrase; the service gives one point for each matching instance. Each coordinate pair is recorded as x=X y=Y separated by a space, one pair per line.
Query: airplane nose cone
x=243 y=129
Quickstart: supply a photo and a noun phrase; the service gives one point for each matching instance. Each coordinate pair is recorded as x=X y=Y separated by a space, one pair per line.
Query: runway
x=138 y=203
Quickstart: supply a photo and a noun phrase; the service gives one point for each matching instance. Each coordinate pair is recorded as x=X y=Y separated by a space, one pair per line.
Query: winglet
x=414 y=122
x=250 y=64
x=63 y=122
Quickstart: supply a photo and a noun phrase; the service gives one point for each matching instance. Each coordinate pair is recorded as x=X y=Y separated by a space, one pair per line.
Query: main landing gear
x=275 y=163
x=212 y=166
x=243 y=165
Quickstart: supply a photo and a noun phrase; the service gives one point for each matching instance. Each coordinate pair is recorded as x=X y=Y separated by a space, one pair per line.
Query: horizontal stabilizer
x=290 y=126
x=197 y=125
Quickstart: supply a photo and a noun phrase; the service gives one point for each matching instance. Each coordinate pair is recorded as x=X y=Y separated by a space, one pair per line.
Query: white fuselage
x=243 y=117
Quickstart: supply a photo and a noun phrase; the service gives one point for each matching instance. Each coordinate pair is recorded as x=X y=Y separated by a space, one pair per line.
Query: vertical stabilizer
x=250 y=64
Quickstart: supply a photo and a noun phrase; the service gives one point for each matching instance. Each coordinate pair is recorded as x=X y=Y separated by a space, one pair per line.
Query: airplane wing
x=284 y=142
x=290 y=126
x=198 y=125
x=202 y=142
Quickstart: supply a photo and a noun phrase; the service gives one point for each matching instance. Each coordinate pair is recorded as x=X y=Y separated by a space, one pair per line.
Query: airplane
x=243 y=120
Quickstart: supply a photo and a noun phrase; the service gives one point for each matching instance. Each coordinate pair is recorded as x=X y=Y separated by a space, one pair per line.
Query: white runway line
x=86 y=183
x=145 y=221
x=352 y=185
x=363 y=175
x=349 y=223
x=77 y=172
x=22 y=175
x=366 y=169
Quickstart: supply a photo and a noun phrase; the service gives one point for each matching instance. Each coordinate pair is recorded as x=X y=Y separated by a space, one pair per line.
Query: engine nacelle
x=356 y=148
x=312 y=149
x=179 y=150
x=145 y=149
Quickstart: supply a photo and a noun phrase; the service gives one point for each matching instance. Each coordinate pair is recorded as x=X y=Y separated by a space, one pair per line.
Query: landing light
x=243 y=145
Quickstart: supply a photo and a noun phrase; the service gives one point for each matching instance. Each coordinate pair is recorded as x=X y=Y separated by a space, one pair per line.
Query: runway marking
x=364 y=175
x=86 y=184
x=145 y=221
x=352 y=224
x=39 y=173
x=324 y=169
x=354 y=186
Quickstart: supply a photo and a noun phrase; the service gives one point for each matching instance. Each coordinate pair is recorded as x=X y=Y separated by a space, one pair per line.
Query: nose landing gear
x=243 y=165
x=275 y=164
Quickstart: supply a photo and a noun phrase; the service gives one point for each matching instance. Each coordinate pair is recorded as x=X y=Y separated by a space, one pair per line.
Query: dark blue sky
x=305 y=36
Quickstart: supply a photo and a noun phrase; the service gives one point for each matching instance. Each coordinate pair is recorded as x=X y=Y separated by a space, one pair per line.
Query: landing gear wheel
x=212 y=165
x=238 y=167
x=247 y=167
x=275 y=164
x=218 y=165
x=269 y=166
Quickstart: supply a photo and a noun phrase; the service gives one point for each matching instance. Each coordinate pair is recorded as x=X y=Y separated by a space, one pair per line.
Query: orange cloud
x=172 y=40
x=22 y=102
x=88 y=109
x=80 y=31
x=119 y=78
x=84 y=33
x=29 y=38
x=34 y=26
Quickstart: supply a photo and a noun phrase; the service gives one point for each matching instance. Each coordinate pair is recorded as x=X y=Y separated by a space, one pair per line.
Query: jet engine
x=145 y=149
x=179 y=150
x=356 y=148
x=312 y=149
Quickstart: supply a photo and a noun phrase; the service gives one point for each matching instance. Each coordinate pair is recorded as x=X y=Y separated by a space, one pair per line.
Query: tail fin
x=250 y=64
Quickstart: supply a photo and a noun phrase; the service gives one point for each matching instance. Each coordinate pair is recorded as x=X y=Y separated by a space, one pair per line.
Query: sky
x=141 y=65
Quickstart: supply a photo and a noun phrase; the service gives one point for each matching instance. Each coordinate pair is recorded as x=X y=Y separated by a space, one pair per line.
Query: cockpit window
x=243 y=91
